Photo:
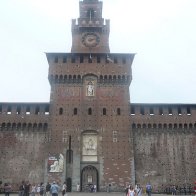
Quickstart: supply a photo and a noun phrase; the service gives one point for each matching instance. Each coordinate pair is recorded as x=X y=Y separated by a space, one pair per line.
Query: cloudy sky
x=161 y=32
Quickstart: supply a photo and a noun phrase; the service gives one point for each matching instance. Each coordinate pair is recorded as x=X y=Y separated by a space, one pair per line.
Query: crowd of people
x=55 y=189
x=27 y=189
x=179 y=190
x=171 y=190
x=135 y=191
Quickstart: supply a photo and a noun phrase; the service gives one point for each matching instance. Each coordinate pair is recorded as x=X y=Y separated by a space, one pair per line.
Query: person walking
x=21 y=188
x=48 y=189
x=139 y=190
x=64 y=189
x=38 y=190
x=131 y=191
x=41 y=193
x=33 y=190
x=7 y=189
x=78 y=187
x=148 y=189
x=27 y=188
x=54 y=189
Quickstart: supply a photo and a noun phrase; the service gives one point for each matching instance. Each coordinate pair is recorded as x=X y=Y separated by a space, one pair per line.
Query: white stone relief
x=90 y=89
x=89 y=150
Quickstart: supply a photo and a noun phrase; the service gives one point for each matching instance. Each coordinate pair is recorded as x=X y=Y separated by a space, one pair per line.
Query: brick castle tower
x=89 y=122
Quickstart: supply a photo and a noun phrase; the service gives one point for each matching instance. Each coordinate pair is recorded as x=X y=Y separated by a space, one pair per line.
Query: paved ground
x=100 y=194
x=108 y=194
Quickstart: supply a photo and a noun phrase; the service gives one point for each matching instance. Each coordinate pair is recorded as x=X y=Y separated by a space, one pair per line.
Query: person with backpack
x=21 y=188
x=149 y=189
x=48 y=189
x=138 y=190
x=54 y=189
x=41 y=193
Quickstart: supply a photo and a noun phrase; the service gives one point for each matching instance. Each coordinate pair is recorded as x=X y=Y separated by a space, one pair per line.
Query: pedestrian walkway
x=99 y=194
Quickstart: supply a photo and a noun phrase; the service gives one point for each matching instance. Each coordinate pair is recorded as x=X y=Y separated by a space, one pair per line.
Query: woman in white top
x=64 y=189
x=131 y=191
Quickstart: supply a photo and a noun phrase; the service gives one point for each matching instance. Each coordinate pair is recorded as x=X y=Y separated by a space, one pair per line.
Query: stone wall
x=22 y=157
x=164 y=157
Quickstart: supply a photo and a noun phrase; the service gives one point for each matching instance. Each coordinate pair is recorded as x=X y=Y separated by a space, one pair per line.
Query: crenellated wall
x=23 y=142
x=163 y=135
x=164 y=142
x=71 y=68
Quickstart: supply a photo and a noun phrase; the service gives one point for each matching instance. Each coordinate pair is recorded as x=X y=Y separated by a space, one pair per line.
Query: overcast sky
x=161 y=32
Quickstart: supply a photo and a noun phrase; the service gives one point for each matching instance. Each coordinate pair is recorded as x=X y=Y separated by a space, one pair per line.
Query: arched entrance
x=89 y=178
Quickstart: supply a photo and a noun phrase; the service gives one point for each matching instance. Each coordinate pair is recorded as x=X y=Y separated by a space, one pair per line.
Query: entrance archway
x=89 y=178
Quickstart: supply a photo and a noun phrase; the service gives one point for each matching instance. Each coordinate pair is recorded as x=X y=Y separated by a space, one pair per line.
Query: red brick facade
x=89 y=132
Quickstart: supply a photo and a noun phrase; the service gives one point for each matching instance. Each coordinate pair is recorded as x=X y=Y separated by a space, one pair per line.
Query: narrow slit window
x=60 y=111
x=89 y=111
x=104 y=111
x=75 y=111
x=118 y=111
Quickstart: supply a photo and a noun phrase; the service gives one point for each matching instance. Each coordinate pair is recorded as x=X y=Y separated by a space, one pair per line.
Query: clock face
x=90 y=39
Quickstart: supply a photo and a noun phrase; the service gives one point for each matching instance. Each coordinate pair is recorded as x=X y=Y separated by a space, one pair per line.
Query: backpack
x=41 y=190
x=148 y=188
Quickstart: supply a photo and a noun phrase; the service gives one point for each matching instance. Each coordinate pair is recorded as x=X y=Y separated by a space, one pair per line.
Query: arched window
x=149 y=126
x=139 y=126
x=24 y=125
x=160 y=126
x=170 y=126
x=154 y=126
x=144 y=126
